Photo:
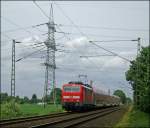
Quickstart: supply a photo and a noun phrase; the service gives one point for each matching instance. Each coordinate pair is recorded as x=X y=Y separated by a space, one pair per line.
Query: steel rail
x=24 y=119
x=86 y=119
x=72 y=121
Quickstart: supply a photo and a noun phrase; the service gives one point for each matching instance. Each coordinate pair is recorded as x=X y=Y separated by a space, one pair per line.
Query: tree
x=4 y=97
x=17 y=99
x=128 y=100
x=121 y=94
x=139 y=78
x=34 y=98
x=26 y=99
x=57 y=95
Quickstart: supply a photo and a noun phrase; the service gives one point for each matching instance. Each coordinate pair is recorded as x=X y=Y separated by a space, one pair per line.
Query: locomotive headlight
x=76 y=97
x=66 y=97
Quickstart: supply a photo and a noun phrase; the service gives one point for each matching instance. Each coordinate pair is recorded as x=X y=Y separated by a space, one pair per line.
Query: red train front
x=77 y=96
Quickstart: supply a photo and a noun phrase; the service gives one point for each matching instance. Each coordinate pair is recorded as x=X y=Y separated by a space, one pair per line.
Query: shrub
x=10 y=110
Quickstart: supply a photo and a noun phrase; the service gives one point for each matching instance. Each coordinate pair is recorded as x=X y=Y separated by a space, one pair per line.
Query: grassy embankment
x=25 y=110
x=135 y=119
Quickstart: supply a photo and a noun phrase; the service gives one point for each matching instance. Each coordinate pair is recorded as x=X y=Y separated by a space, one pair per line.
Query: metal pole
x=13 y=70
x=137 y=84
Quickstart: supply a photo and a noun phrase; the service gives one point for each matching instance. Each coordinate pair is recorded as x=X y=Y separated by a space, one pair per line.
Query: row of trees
x=49 y=98
x=138 y=76
x=6 y=98
x=123 y=98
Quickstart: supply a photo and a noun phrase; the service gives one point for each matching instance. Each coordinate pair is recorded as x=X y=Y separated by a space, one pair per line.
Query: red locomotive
x=79 y=96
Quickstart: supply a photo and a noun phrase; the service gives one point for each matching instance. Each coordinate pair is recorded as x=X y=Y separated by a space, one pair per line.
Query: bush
x=10 y=110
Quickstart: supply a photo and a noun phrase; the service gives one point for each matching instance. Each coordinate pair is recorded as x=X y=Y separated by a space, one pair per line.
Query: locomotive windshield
x=71 y=88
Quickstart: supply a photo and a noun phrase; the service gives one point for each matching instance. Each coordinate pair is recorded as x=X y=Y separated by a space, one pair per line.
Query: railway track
x=77 y=120
x=65 y=120
x=12 y=122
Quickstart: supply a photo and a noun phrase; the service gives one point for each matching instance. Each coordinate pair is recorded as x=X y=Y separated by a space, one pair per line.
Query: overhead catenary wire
x=88 y=37
x=96 y=55
x=19 y=38
x=17 y=29
x=101 y=35
x=37 y=44
x=87 y=57
x=111 y=40
x=11 y=22
x=110 y=51
x=78 y=50
x=29 y=54
x=106 y=28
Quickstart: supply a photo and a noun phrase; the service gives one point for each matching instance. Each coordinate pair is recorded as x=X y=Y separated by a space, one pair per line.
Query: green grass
x=34 y=109
x=30 y=110
x=135 y=119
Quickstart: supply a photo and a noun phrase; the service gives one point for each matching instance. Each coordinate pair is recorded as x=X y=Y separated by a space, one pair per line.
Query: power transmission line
x=112 y=40
x=77 y=49
x=11 y=22
x=29 y=54
x=98 y=35
x=106 y=28
x=110 y=51
x=88 y=38
x=17 y=29
x=41 y=9
x=19 y=38
x=96 y=56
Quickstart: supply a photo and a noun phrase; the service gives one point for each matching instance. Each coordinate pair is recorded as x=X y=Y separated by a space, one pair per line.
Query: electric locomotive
x=79 y=96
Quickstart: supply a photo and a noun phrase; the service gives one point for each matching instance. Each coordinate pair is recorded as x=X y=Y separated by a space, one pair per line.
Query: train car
x=79 y=96
x=106 y=100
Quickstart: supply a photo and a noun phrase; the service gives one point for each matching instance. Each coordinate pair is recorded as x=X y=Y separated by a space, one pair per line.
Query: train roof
x=75 y=82
x=79 y=82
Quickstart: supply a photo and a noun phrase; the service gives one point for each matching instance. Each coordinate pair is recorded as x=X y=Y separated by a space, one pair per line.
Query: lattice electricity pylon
x=13 y=70
x=50 y=58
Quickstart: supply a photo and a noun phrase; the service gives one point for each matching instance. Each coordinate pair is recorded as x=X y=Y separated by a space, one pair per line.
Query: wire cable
x=115 y=54
x=40 y=9
x=112 y=40
x=107 y=28
x=29 y=54
x=11 y=22
x=88 y=37
x=77 y=49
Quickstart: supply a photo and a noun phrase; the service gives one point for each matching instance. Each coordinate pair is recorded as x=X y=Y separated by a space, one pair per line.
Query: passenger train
x=79 y=96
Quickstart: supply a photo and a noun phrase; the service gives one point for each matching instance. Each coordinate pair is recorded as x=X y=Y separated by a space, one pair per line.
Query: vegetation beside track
x=134 y=118
x=25 y=110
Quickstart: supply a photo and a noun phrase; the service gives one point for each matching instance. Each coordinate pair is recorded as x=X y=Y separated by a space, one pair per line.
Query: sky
x=98 y=20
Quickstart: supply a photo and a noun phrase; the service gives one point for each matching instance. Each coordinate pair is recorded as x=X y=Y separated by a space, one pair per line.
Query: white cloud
x=114 y=63
x=31 y=40
x=77 y=43
x=117 y=62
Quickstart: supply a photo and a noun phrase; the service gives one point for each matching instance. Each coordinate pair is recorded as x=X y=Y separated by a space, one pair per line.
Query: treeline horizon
x=34 y=99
